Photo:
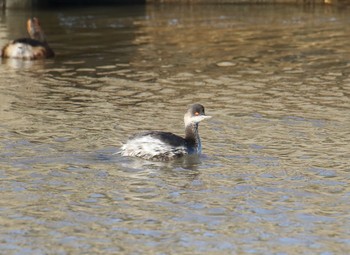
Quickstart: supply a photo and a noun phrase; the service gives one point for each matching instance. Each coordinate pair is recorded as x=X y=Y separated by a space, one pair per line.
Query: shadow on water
x=93 y=36
x=187 y=163
x=53 y=4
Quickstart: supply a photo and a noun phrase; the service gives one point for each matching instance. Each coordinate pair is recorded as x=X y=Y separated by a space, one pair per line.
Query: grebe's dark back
x=162 y=146
x=35 y=47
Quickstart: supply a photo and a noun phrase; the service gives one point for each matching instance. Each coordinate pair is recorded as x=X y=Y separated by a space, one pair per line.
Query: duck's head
x=34 y=29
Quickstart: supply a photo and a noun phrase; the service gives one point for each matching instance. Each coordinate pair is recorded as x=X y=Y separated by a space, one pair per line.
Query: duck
x=35 y=47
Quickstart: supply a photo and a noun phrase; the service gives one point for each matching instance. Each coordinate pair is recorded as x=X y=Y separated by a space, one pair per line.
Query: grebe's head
x=34 y=29
x=195 y=114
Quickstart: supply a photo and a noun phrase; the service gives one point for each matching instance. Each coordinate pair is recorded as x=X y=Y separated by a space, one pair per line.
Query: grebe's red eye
x=196 y=113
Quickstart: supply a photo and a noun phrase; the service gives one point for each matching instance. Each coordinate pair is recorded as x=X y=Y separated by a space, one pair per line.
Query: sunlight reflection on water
x=273 y=176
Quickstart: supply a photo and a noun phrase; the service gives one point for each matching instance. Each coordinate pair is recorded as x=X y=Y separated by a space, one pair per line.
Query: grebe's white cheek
x=187 y=120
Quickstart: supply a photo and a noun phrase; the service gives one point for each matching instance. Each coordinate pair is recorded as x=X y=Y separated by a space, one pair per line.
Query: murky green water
x=274 y=177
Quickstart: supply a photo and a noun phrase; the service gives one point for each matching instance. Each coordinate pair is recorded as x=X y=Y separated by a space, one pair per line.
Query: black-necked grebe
x=163 y=146
x=35 y=47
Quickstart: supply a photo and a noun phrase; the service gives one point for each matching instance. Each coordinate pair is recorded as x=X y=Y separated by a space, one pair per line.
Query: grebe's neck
x=192 y=138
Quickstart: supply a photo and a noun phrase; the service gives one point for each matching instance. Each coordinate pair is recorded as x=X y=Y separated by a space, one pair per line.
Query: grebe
x=163 y=146
x=35 y=47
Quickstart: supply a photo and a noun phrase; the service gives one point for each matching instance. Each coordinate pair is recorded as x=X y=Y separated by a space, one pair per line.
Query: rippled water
x=274 y=177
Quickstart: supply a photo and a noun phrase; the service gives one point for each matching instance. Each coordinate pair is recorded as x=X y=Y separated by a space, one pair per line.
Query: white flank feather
x=20 y=50
x=149 y=148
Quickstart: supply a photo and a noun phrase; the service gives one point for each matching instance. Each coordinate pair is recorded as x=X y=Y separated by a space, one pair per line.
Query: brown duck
x=35 y=47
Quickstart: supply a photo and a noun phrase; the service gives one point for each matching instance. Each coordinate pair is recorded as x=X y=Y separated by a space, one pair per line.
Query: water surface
x=274 y=177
